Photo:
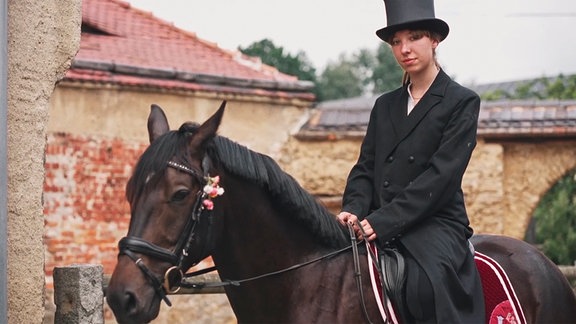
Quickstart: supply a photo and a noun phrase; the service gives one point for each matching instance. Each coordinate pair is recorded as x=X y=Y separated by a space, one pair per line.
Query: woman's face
x=413 y=50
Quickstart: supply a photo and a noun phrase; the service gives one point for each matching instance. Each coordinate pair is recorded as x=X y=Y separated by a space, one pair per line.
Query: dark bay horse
x=194 y=194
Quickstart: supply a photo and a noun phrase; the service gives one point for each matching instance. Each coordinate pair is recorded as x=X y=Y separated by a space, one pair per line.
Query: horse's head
x=169 y=202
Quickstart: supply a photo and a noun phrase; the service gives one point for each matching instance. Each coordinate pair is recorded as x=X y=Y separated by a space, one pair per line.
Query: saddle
x=388 y=276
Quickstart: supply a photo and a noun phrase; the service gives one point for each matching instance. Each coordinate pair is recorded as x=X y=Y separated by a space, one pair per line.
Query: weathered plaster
x=43 y=36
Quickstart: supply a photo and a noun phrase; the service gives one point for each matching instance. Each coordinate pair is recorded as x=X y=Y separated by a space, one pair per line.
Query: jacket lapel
x=398 y=113
x=431 y=98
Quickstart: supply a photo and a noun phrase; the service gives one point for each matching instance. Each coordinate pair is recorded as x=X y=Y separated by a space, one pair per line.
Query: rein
x=357 y=272
x=228 y=282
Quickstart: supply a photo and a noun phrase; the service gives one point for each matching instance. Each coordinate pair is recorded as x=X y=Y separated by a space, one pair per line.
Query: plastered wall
x=43 y=36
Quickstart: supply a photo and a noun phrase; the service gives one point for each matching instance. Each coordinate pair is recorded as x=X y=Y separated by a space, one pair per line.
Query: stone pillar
x=43 y=37
x=78 y=294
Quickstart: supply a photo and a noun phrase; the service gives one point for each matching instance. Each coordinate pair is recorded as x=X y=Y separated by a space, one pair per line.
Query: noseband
x=130 y=245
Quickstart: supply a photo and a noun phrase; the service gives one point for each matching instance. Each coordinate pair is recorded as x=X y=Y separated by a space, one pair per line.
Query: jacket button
x=386 y=184
x=411 y=159
x=390 y=159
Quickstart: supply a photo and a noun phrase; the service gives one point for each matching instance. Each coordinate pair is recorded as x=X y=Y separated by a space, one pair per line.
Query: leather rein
x=174 y=278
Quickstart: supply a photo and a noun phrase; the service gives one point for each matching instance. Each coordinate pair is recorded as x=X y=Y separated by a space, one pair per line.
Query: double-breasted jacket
x=407 y=184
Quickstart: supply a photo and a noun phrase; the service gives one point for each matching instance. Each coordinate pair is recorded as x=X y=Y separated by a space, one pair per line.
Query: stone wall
x=43 y=36
x=503 y=183
x=530 y=170
x=484 y=190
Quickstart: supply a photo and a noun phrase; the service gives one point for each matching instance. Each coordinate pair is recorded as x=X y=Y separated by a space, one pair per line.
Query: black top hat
x=411 y=14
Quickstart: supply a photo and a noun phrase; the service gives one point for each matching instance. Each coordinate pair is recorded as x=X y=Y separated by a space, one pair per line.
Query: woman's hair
x=428 y=33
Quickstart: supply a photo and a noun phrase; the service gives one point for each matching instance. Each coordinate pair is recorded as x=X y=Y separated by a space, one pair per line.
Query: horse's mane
x=284 y=189
x=246 y=164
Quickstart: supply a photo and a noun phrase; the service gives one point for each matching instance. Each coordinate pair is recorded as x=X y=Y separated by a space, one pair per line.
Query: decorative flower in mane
x=212 y=190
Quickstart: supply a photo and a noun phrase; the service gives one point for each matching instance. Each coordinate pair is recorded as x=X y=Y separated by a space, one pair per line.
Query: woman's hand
x=368 y=231
x=349 y=218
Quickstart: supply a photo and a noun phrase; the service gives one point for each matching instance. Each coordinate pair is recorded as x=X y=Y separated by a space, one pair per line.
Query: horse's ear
x=209 y=128
x=157 y=123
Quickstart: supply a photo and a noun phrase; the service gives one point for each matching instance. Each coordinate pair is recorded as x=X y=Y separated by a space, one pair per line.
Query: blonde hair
x=428 y=33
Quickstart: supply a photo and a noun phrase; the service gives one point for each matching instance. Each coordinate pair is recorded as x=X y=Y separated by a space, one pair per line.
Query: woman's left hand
x=368 y=231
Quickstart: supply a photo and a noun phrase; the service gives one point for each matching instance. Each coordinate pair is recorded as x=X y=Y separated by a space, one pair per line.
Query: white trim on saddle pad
x=376 y=285
x=513 y=302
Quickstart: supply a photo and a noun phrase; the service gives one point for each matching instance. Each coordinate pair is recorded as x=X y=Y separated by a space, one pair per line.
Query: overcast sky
x=489 y=40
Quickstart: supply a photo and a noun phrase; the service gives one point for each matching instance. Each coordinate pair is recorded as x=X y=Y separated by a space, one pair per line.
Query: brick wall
x=86 y=213
x=85 y=208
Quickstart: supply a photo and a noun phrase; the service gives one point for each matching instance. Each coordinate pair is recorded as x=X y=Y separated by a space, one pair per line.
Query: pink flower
x=211 y=190
x=208 y=204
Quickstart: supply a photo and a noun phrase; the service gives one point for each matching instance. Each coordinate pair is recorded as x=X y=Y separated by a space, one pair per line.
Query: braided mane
x=285 y=190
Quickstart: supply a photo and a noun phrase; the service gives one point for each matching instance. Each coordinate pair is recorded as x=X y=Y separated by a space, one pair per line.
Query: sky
x=489 y=40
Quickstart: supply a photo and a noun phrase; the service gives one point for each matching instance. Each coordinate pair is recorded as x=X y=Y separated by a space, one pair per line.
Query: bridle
x=130 y=245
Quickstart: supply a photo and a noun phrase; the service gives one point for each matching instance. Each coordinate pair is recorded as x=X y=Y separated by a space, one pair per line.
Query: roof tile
x=349 y=117
x=118 y=34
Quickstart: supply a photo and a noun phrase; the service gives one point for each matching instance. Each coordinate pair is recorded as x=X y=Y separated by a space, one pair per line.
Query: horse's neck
x=256 y=236
x=258 y=241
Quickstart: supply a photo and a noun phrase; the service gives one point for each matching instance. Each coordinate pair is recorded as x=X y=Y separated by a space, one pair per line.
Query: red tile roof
x=124 y=45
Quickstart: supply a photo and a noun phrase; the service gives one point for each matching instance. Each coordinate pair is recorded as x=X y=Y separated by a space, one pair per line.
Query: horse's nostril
x=130 y=303
x=124 y=304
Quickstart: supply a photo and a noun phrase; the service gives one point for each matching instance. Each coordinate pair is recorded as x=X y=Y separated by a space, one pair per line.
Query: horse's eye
x=180 y=195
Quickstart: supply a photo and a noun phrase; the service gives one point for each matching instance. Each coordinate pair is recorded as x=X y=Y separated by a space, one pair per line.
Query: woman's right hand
x=360 y=228
x=346 y=217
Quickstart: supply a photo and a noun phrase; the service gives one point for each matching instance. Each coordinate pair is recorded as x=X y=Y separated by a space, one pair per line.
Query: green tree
x=363 y=72
x=527 y=90
x=386 y=73
x=342 y=79
x=297 y=65
x=495 y=95
x=560 y=88
x=555 y=221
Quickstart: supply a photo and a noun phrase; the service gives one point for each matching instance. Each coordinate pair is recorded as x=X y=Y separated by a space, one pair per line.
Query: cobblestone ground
x=189 y=309
x=213 y=308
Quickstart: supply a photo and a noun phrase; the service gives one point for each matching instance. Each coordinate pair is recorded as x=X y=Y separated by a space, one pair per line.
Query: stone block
x=78 y=294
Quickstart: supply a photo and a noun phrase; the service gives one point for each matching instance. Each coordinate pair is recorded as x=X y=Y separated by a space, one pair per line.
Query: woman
x=405 y=189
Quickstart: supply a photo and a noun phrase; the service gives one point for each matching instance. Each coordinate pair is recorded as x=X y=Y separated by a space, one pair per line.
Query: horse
x=281 y=255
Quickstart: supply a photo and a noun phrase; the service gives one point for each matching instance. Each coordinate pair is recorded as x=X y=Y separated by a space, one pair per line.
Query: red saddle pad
x=501 y=302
